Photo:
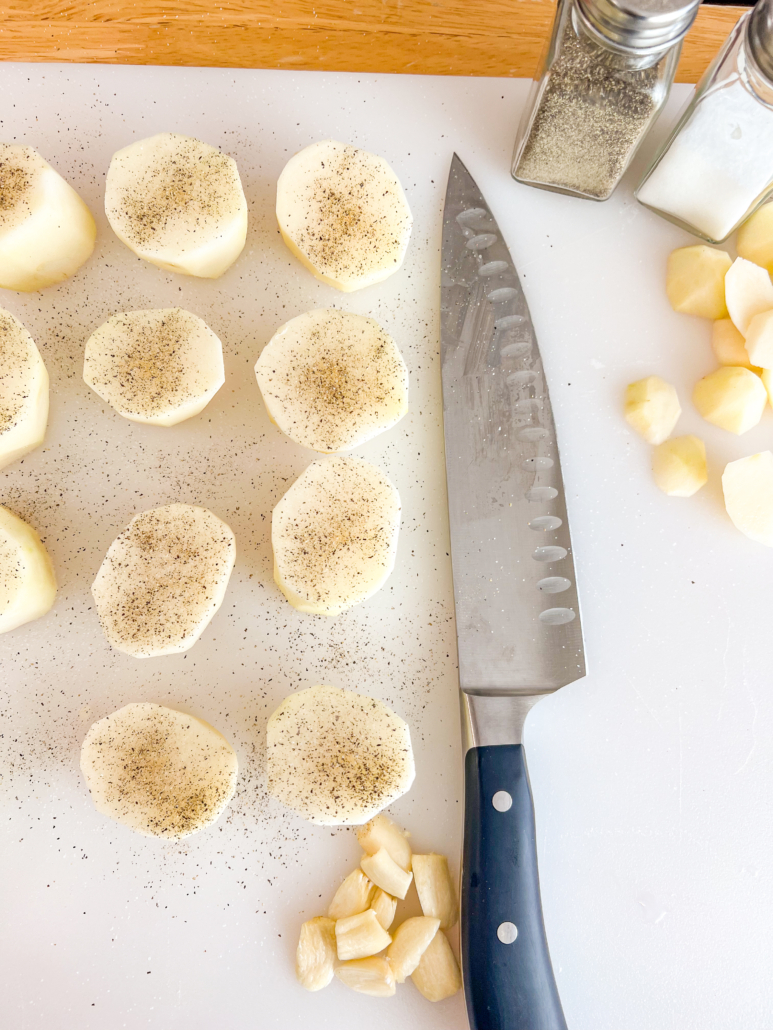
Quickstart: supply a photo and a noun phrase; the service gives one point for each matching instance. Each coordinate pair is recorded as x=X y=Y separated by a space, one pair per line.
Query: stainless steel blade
x=517 y=611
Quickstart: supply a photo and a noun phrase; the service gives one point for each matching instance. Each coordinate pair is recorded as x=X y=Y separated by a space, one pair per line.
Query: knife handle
x=508 y=978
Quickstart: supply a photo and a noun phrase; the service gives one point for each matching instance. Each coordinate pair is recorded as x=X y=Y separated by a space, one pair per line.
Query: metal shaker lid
x=642 y=24
x=760 y=37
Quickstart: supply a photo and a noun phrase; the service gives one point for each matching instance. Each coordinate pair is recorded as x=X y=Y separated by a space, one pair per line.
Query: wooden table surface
x=435 y=37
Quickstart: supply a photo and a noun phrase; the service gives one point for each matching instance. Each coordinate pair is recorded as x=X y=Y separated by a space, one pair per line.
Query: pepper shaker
x=606 y=74
x=717 y=166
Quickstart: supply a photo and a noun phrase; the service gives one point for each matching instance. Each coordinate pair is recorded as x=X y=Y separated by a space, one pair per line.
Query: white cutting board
x=651 y=777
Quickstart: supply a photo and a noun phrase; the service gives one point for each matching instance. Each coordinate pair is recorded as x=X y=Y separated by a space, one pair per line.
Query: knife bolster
x=490 y=719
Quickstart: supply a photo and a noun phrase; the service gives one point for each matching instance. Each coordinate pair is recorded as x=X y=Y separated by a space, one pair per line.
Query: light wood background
x=436 y=37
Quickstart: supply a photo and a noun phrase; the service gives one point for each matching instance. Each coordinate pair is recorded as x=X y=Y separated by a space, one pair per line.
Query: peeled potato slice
x=728 y=345
x=731 y=398
x=679 y=466
x=755 y=238
x=158 y=771
x=163 y=579
x=748 y=292
x=652 y=408
x=748 y=488
x=334 y=535
x=343 y=213
x=332 y=380
x=759 y=340
x=336 y=757
x=27 y=584
x=23 y=391
x=178 y=203
x=157 y=367
x=695 y=281
x=46 y=231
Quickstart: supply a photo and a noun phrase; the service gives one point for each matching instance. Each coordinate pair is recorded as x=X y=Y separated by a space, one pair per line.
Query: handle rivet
x=503 y=802
x=507 y=932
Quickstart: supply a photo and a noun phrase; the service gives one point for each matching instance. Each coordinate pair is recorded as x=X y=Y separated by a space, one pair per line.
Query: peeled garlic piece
x=353 y=896
x=372 y=976
x=158 y=771
x=382 y=869
x=437 y=975
x=360 y=936
x=178 y=203
x=337 y=757
x=748 y=488
x=163 y=579
x=410 y=941
x=159 y=367
x=385 y=906
x=343 y=213
x=435 y=889
x=334 y=535
x=23 y=391
x=331 y=380
x=46 y=231
x=381 y=832
x=315 y=956
x=27 y=584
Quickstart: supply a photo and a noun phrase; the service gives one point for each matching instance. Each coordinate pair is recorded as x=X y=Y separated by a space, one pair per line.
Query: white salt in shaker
x=717 y=166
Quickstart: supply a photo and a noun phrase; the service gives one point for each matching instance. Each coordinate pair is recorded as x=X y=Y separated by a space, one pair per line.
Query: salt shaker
x=606 y=75
x=717 y=165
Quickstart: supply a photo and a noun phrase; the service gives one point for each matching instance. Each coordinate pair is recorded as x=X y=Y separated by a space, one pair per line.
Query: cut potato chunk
x=332 y=380
x=437 y=975
x=334 y=535
x=435 y=889
x=385 y=906
x=315 y=957
x=767 y=381
x=158 y=771
x=381 y=832
x=759 y=340
x=695 y=281
x=652 y=408
x=163 y=579
x=679 y=466
x=411 y=940
x=748 y=488
x=731 y=398
x=46 y=231
x=343 y=213
x=386 y=873
x=23 y=391
x=372 y=976
x=360 y=936
x=337 y=757
x=748 y=292
x=755 y=238
x=729 y=345
x=158 y=367
x=27 y=584
x=178 y=203
x=352 y=897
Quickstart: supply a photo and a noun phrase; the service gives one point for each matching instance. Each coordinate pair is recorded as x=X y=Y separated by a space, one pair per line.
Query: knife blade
x=517 y=610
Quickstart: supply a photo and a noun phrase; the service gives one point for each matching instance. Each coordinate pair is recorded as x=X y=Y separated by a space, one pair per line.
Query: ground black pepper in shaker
x=606 y=75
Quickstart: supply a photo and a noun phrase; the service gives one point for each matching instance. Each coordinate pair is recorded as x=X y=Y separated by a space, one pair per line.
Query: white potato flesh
x=652 y=408
x=178 y=203
x=158 y=771
x=27 y=584
x=334 y=535
x=343 y=213
x=23 y=391
x=748 y=292
x=158 y=367
x=337 y=757
x=695 y=281
x=767 y=381
x=748 y=488
x=755 y=238
x=759 y=340
x=163 y=579
x=731 y=398
x=679 y=466
x=729 y=345
x=46 y=231
x=331 y=380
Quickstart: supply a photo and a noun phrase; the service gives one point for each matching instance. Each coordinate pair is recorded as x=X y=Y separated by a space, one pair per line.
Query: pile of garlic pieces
x=330 y=379
x=738 y=297
x=353 y=942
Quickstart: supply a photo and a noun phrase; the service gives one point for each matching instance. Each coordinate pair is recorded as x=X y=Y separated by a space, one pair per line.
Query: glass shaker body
x=589 y=109
x=716 y=167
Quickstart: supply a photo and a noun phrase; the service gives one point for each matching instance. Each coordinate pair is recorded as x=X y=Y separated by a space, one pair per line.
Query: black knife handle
x=508 y=986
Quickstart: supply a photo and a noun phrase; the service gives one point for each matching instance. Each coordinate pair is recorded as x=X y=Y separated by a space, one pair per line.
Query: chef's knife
x=517 y=614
